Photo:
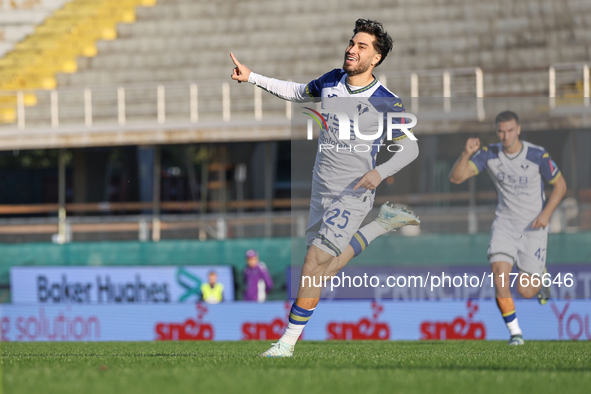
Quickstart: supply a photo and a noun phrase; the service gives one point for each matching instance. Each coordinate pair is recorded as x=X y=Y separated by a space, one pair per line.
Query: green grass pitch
x=318 y=367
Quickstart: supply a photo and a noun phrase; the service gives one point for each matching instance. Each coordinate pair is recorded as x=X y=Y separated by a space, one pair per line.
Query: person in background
x=519 y=234
x=212 y=292
x=257 y=280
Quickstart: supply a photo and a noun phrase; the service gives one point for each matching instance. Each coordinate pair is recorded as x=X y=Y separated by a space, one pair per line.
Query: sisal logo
x=271 y=330
x=189 y=330
x=365 y=328
x=459 y=328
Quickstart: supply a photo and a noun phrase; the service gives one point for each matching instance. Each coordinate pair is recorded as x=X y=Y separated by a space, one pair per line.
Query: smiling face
x=361 y=54
x=508 y=133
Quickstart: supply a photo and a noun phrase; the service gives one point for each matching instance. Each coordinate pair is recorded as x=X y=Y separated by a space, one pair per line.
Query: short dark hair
x=383 y=42
x=506 y=116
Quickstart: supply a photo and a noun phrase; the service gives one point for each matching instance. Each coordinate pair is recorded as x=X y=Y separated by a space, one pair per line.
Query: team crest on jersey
x=361 y=110
x=525 y=167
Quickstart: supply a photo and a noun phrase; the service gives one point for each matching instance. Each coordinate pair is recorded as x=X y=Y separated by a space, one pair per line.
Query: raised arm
x=557 y=193
x=240 y=72
x=461 y=169
x=291 y=91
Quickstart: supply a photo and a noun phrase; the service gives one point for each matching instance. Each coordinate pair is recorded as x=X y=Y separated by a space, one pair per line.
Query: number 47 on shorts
x=541 y=254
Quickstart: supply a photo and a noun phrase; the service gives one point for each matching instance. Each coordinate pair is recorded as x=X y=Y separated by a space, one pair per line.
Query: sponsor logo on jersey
x=553 y=167
x=512 y=179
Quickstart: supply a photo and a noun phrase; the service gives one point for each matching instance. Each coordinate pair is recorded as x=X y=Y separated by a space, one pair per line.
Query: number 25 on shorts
x=345 y=216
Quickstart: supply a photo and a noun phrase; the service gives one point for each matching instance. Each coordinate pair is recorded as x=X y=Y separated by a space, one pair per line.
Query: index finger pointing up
x=236 y=62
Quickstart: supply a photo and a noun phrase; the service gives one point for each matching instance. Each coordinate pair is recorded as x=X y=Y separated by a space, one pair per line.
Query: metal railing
x=439 y=84
x=185 y=104
x=565 y=76
x=455 y=219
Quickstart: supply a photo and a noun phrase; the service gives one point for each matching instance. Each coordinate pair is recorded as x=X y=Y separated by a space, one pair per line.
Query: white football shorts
x=516 y=245
x=333 y=222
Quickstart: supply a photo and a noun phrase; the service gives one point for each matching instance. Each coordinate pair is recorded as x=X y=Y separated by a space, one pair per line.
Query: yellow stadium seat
x=7 y=115
x=30 y=100
x=69 y=32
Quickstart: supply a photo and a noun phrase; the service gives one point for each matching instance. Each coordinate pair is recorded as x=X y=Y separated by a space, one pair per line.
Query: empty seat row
x=15 y=33
x=20 y=17
x=5 y=47
x=190 y=39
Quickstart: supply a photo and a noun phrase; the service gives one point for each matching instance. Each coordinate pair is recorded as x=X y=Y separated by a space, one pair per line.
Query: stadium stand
x=19 y=18
x=35 y=54
x=513 y=41
x=131 y=90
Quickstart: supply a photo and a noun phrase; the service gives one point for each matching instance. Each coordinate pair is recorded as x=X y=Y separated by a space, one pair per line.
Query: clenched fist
x=472 y=146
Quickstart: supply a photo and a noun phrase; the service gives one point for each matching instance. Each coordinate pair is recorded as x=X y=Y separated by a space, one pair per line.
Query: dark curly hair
x=383 y=42
x=506 y=116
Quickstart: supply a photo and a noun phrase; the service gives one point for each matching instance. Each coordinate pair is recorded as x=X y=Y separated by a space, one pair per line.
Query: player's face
x=509 y=133
x=213 y=278
x=360 y=54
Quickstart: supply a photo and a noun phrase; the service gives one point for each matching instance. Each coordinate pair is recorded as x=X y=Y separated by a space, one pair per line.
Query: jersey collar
x=518 y=153
x=363 y=89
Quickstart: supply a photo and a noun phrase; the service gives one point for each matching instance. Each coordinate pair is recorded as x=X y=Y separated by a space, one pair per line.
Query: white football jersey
x=518 y=180
x=340 y=164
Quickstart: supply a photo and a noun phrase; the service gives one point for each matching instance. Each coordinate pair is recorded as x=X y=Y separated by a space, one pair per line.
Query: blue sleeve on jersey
x=481 y=158
x=331 y=78
x=384 y=102
x=548 y=168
